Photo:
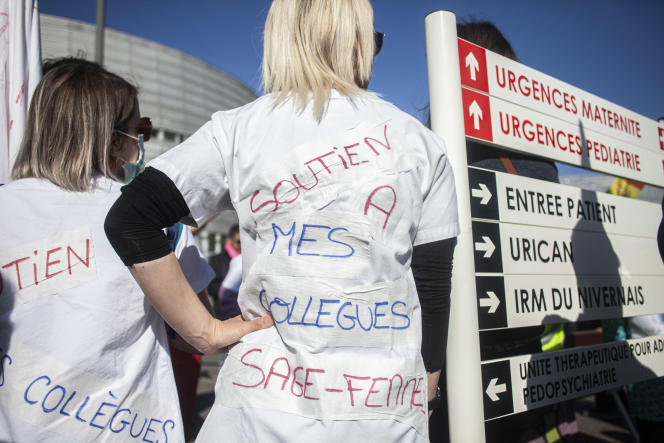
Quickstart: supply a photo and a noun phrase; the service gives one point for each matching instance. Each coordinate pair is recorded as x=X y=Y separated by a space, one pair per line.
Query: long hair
x=314 y=46
x=73 y=112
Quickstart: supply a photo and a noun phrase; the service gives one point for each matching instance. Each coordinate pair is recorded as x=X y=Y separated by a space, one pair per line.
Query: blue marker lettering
x=131 y=428
x=397 y=314
x=123 y=422
x=4 y=358
x=100 y=414
x=322 y=313
x=62 y=409
x=80 y=408
x=260 y=299
x=312 y=240
x=349 y=317
x=290 y=232
x=329 y=236
x=149 y=429
x=53 y=389
x=25 y=395
x=359 y=322
x=163 y=428
x=377 y=315
x=283 y=304
x=290 y=314
x=304 y=314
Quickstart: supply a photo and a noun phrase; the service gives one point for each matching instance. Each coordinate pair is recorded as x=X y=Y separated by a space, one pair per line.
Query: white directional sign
x=527 y=300
x=522 y=249
x=501 y=77
x=515 y=199
x=538 y=252
x=515 y=127
x=527 y=382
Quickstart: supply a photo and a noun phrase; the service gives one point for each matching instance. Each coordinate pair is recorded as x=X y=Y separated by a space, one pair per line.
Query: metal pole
x=464 y=375
x=99 y=37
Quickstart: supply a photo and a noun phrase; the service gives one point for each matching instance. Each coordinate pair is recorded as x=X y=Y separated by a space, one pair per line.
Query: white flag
x=20 y=64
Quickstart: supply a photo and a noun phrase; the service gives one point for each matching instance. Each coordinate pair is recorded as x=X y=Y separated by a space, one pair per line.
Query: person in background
x=227 y=306
x=221 y=262
x=339 y=194
x=83 y=353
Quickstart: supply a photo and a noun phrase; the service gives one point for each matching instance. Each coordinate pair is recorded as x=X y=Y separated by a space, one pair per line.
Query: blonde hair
x=314 y=46
x=69 y=129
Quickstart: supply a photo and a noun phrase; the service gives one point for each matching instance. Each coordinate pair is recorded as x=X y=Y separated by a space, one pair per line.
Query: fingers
x=232 y=330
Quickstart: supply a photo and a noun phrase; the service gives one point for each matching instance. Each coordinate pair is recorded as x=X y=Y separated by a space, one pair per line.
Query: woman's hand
x=166 y=287
x=229 y=332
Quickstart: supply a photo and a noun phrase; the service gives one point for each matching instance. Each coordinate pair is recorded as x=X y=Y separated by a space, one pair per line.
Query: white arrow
x=485 y=245
x=482 y=193
x=472 y=65
x=491 y=302
x=493 y=389
x=476 y=113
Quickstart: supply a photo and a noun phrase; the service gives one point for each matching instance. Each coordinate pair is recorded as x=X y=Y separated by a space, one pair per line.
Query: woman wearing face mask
x=83 y=353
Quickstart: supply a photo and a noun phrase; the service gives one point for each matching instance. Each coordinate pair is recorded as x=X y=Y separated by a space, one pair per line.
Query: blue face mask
x=131 y=169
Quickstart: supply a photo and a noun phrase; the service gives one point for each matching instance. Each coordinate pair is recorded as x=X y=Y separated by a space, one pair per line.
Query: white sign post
x=466 y=418
x=532 y=252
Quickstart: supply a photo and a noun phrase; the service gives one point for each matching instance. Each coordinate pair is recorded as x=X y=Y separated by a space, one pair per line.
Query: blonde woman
x=333 y=187
x=83 y=354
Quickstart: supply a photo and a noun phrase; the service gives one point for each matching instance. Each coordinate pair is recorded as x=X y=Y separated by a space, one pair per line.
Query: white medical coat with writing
x=329 y=212
x=84 y=354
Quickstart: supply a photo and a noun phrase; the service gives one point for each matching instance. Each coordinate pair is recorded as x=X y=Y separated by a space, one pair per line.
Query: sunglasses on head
x=378 y=42
x=145 y=128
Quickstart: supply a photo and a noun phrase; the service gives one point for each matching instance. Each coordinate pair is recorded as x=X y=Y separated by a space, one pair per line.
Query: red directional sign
x=476 y=114
x=472 y=59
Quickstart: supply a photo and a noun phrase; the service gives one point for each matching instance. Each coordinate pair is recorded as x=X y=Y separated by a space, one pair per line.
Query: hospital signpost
x=533 y=252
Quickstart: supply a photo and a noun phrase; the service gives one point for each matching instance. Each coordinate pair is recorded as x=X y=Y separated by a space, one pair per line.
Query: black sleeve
x=134 y=225
x=432 y=270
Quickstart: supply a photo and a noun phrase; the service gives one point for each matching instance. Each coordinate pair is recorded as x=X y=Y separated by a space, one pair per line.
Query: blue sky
x=607 y=47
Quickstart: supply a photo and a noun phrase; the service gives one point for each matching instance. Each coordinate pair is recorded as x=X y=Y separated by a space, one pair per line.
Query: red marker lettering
x=389 y=392
x=86 y=262
x=295 y=382
x=385 y=145
x=320 y=160
x=416 y=391
x=299 y=184
x=371 y=391
x=351 y=389
x=285 y=376
x=251 y=203
x=18 y=272
x=306 y=382
x=353 y=154
x=276 y=188
x=370 y=202
x=50 y=263
x=251 y=366
x=403 y=393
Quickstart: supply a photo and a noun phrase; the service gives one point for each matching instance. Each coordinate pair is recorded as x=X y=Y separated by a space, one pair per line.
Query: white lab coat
x=329 y=213
x=84 y=354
